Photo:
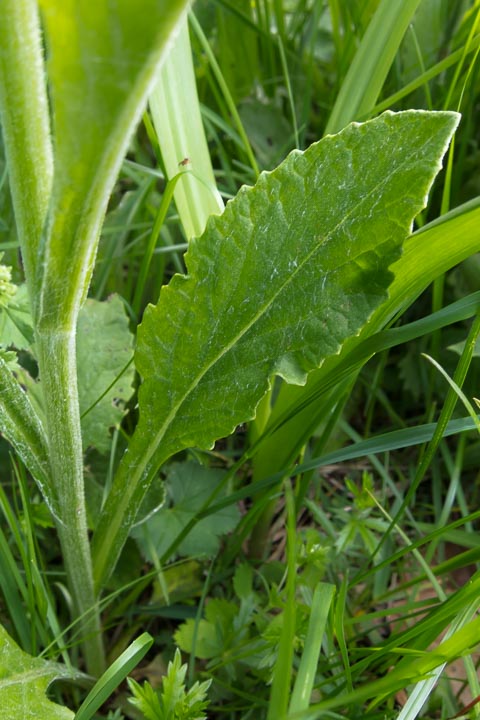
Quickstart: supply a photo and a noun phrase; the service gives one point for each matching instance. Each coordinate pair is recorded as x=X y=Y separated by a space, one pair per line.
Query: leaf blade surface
x=276 y=284
x=303 y=263
x=24 y=681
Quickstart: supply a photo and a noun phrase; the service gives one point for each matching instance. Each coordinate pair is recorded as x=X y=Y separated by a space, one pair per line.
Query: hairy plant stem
x=28 y=148
x=57 y=362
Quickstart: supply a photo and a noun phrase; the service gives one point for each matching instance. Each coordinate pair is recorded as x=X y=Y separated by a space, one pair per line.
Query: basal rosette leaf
x=104 y=349
x=276 y=284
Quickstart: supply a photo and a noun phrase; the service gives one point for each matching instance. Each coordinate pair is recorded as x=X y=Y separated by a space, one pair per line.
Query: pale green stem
x=26 y=132
x=57 y=361
x=68 y=261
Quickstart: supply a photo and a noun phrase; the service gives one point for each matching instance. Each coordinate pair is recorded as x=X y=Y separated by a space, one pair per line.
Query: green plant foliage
x=172 y=701
x=24 y=681
x=229 y=627
x=16 y=321
x=457 y=348
x=372 y=61
x=7 y=289
x=230 y=630
x=241 y=635
x=25 y=125
x=243 y=581
x=409 y=670
x=114 y=675
x=178 y=123
x=21 y=426
x=293 y=267
x=347 y=580
x=268 y=130
x=101 y=60
x=188 y=486
x=215 y=634
x=104 y=348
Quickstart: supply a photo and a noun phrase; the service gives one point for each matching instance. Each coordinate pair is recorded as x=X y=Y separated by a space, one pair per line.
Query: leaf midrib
x=30 y=675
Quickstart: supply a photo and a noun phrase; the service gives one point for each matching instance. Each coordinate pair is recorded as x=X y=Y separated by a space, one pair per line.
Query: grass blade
x=302 y=690
x=111 y=678
x=282 y=672
x=367 y=73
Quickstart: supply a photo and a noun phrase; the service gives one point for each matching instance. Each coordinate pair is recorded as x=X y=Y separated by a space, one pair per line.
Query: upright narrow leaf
x=373 y=59
x=102 y=60
x=292 y=268
x=22 y=427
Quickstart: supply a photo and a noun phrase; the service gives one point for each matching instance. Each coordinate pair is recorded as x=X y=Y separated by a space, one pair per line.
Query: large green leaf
x=24 y=681
x=293 y=267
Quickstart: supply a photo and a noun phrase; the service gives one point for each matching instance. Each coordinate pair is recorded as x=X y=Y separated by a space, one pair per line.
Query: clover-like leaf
x=104 y=347
x=189 y=486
